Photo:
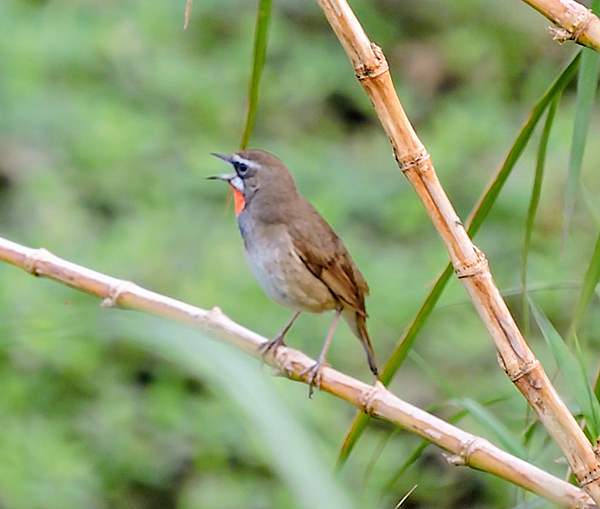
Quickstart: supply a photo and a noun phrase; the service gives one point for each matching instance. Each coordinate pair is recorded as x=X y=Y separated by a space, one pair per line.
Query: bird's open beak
x=231 y=178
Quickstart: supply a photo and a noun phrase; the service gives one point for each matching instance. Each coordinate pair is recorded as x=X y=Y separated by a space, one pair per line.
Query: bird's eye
x=241 y=168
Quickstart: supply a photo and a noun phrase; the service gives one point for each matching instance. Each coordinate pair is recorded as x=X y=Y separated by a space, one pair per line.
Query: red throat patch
x=238 y=200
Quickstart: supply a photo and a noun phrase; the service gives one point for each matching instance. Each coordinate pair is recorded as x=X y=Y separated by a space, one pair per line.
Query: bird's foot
x=269 y=346
x=313 y=376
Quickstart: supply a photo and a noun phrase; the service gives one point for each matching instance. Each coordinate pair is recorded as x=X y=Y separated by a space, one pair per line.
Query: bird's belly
x=286 y=280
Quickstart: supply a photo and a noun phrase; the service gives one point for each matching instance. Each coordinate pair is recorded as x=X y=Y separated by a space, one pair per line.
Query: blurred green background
x=108 y=113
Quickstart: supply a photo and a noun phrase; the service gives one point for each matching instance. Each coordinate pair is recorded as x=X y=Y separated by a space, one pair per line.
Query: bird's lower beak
x=225 y=177
x=232 y=179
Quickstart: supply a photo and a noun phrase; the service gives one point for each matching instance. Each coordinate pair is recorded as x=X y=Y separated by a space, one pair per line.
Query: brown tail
x=358 y=324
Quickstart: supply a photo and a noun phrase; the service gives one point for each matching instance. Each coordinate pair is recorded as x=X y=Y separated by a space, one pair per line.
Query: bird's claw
x=270 y=346
x=313 y=377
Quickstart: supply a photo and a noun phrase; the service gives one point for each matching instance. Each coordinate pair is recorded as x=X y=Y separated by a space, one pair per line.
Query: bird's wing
x=325 y=255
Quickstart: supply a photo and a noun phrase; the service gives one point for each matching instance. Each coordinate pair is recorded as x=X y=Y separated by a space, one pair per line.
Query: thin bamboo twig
x=188 y=10
x=575 y=21
x=470 y=264
x=466 y=449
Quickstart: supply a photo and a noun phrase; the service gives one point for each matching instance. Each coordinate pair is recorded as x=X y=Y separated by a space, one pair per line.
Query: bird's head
x=256 y=172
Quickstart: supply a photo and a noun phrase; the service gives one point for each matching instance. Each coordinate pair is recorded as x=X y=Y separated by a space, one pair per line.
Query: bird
x=297 y=258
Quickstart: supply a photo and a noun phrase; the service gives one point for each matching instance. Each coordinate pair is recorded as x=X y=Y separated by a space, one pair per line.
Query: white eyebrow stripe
x=238 y=159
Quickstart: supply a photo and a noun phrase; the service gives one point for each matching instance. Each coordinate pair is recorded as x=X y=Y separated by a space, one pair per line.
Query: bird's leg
x=314 y=372
x=267 y=346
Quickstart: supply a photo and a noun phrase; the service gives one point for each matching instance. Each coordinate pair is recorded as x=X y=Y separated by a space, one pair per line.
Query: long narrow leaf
x=441 y=385
x=418 y=451
x=476 y=219
x=586 y=92
x=488 y=199
x=259 y=55
x=572 y=370
x=493 y=425
x=412 y=458
x=590 y=281
x=597 y=387
x=482 y=415
x=534 y=202
x=587 y=84
x=290 y=449
x=395 y=361
x=590 y=202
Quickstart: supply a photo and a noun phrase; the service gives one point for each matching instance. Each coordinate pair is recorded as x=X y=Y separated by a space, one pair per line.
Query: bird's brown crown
x=265 y=174
x=260 y=157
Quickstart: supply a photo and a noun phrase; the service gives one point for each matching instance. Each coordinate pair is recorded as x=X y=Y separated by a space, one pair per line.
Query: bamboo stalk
x=575 y=21
x=465 y=448
x=470 y=264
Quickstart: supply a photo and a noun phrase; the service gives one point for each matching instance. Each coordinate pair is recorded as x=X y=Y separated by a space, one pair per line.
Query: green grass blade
x=590 y=393
x=400 y=353
x=476 y=219
x=597 y=387
x=587 y=83
x=439 y=383
x=493 y=425
x=479 y=412
x=590 y=202
x=534 y=202
x=487 y=200
x=530 y=430
x=289 y=447
x=590 y=281
x=396 y=359
x=412 y=458
x=586 y=92
x=261 y=35
x=572 y=370
x=415 y=455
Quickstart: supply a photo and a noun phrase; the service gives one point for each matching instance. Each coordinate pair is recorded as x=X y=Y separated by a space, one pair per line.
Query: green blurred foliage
x=108 y=112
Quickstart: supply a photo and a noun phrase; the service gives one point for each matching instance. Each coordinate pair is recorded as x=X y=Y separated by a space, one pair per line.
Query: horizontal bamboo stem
x=466 y=449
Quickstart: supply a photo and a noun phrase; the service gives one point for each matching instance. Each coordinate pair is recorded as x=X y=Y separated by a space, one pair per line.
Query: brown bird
x=297 y=258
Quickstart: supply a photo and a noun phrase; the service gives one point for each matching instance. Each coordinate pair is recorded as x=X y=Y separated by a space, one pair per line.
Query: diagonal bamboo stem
x=466 y=449
x=470 y=264
x=575 y=21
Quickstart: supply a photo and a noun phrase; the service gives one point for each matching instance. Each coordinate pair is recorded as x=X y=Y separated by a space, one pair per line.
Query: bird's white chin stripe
x=238 y=183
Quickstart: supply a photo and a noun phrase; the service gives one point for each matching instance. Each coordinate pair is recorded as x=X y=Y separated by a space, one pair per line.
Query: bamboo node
x=35 y=256
x=472 y=266
x=110 y=301
x=368 y=400
x=411 y=161
x=214 y=314
x=365 y=72
x=596 y=448
x=528 y=368
x=462 y=458
x=279 y=371
x=285 y=362
x=559 y=35
x=582 y=18
x=590 y=477
x=501 y=362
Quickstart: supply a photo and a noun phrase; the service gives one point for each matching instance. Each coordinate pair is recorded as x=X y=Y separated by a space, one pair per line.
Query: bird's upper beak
x=228 y=159
x=231 y=178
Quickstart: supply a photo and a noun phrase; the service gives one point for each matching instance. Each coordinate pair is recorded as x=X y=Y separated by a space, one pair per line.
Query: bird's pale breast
x=280 y=272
